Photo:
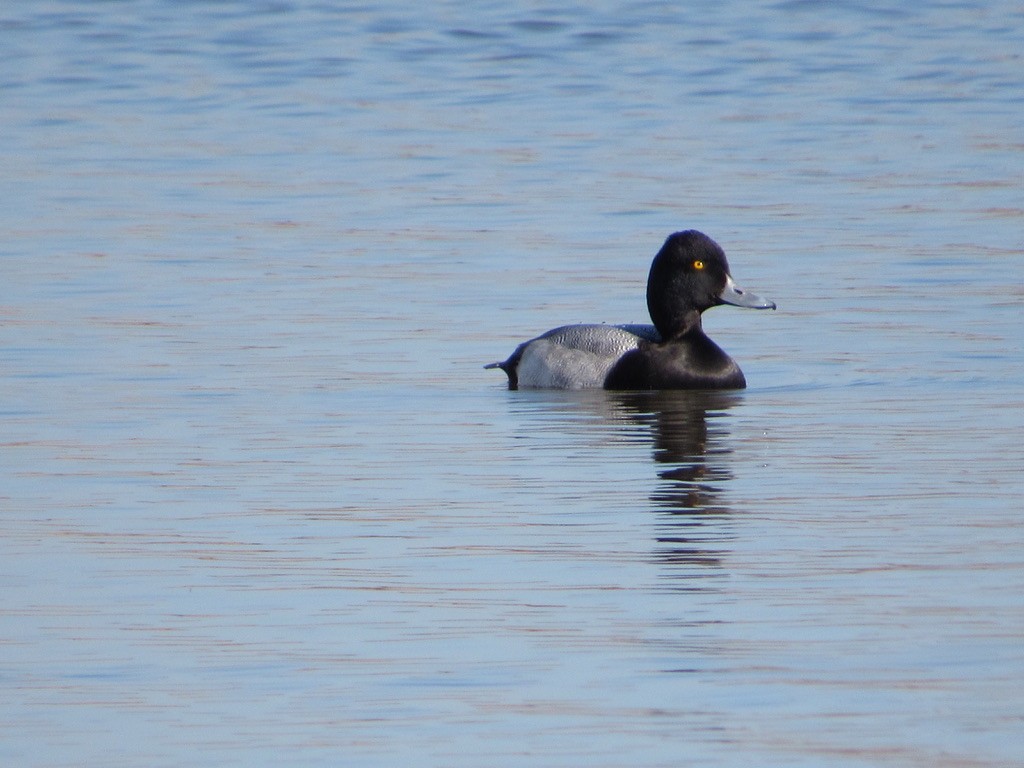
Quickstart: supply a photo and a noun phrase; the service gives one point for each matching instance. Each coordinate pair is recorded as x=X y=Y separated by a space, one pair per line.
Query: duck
x=689 y=275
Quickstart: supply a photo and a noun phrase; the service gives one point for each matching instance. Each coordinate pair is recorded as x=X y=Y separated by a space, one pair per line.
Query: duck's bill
x=733 y=294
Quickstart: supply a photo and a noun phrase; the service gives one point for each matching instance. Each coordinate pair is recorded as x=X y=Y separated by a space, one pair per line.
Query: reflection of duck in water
x=689 y=444
x=689 y=275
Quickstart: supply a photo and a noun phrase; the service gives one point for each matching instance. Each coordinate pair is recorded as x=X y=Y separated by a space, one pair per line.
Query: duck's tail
x=509 y=367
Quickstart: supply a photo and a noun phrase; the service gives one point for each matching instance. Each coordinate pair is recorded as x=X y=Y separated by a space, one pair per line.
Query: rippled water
x=263 y=506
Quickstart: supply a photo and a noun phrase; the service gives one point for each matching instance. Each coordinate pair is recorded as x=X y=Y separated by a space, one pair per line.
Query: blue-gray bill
x=733 y=294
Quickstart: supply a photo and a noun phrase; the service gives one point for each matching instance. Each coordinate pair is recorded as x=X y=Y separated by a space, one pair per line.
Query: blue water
x=261 y=505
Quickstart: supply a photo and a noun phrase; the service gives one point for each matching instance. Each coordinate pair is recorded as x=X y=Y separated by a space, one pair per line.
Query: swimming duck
x=689 y=275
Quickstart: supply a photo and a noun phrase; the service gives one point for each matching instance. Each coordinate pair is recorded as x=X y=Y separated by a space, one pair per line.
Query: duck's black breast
x=693 y=362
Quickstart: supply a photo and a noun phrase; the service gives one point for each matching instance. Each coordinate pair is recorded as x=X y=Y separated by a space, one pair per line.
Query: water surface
x=263 y=506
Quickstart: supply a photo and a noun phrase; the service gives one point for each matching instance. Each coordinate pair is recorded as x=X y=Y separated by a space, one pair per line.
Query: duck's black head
x=689 y=275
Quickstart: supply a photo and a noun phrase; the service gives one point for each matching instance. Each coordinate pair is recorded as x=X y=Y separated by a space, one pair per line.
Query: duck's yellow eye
x=698 y=264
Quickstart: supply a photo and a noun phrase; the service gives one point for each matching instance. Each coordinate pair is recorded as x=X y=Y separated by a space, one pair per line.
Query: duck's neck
x=679 y=325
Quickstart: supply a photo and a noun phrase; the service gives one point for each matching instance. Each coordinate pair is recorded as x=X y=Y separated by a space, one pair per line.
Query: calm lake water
x=261 y=505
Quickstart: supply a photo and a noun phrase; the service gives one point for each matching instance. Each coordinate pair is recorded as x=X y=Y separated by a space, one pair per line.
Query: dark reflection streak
x=689 y=442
